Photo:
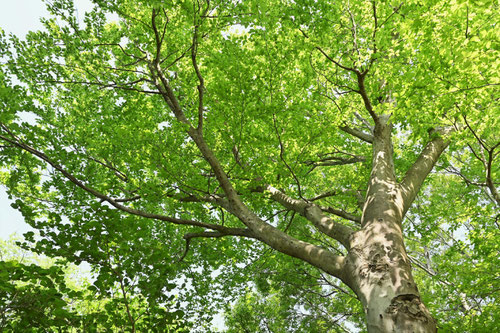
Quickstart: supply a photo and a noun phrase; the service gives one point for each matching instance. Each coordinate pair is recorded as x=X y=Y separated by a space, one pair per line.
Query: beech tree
x=346 y=146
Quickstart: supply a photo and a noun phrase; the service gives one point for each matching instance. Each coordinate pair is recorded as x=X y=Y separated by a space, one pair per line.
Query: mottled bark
x=379 y=269
x=379 y=272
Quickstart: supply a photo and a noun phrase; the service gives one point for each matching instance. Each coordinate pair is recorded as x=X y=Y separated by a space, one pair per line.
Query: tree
x=304 y=127
x=39 y=294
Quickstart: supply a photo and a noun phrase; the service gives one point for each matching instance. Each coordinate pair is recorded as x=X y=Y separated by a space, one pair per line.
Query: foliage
x=100 y=162
x=39 y=294
x=33 y=296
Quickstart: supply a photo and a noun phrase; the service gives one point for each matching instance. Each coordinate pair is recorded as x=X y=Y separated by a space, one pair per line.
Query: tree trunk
x=380 y=275
x=378 y=268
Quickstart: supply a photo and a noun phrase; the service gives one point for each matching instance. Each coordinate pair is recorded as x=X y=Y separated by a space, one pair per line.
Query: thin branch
x=240 y=232
x=323 y=195
x=354 y=32
x=364 y=95
x=122 y=49
x=396 y=9
x=201 y=85
x=182 y=55
x=290 y=222
x=282 y=157
x=454 y=171
x=134 y=198
x=365 y=122
x=472 y=88
x=107 y=165
x=375 y=26
x=104 y=85
x=342 y=214
x=103 y=197
x=350 y=69
x=489 y=180
x=481 y=142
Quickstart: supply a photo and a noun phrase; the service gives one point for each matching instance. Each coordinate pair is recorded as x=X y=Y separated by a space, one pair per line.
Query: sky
x=18 y=17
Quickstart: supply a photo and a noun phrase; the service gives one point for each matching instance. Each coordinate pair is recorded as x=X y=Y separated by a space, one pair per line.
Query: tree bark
x=379 y=272
x=378 y=268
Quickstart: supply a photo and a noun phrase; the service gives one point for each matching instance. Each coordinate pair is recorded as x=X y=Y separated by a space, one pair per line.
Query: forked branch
x=314 y=213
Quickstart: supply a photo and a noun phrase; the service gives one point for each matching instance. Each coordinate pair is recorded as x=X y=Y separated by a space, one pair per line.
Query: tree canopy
x=209 y=155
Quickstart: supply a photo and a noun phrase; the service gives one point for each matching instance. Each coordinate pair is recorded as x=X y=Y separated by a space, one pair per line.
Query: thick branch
x=314 y=214
x=382 y=159
x=382 y=192
x=263 y=231
x=357 y=133
x=416 y=174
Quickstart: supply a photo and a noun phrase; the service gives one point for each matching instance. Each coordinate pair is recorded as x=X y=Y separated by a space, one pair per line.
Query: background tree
x=302 y=128
x=40 y=294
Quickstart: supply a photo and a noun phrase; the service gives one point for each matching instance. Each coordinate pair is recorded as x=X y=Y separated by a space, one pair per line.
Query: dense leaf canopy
x=101 y=162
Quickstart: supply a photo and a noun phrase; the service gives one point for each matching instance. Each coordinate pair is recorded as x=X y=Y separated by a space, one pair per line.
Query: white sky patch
x=235 y=30
x=163 y=125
